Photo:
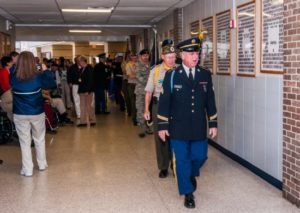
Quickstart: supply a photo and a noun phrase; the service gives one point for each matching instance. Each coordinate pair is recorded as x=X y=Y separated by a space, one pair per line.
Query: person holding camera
x=28 y=112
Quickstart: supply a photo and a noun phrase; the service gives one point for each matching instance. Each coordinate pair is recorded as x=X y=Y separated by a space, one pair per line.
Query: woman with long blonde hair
x=28 y=112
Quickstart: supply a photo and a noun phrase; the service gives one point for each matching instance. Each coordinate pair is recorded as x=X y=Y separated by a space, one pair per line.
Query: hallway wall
x=249 y=109
x=12 y=32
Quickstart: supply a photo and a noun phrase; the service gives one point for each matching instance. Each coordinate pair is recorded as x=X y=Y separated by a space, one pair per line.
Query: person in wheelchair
x=51 y=94
x=5 y=88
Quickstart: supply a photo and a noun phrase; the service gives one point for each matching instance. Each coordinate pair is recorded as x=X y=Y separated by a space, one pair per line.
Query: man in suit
x=185 y=102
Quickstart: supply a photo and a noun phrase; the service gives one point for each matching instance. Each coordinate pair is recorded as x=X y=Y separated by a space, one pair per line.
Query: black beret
x=168 y=42
x=189 y=45
x=144 y=51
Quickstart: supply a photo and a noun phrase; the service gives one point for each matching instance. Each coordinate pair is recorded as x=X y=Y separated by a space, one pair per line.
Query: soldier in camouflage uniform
x=142 y=74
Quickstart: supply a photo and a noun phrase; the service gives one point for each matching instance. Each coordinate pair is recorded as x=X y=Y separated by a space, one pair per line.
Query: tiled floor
x=109 y=169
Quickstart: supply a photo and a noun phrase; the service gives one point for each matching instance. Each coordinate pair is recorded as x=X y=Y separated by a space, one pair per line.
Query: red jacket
x=4 y=80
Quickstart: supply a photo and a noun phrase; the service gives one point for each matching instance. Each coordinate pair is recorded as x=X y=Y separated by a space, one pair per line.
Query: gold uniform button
x=193 y=97
x=193 y=90
x=193 y=111
x=193 y=104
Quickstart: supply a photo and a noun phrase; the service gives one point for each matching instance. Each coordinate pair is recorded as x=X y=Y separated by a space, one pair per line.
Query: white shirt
x=187 y=70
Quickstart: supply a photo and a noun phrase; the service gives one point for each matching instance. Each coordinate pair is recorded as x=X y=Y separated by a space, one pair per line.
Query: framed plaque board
x=171 y=34
x=194 y=29
x=166 y=35
x=8 y=44
x=246 y=39
x=272 y=36
x=223 y=32
x=207 y=45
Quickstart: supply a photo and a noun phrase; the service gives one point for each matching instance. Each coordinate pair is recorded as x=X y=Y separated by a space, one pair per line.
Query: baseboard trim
x=270 y=179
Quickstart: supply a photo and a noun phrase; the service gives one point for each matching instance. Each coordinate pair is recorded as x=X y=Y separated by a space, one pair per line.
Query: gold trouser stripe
x=174 y=167
x=213 y=117
x=162 y=118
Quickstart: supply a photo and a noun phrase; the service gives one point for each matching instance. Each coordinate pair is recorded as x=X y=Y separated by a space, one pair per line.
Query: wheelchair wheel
x=6 y=130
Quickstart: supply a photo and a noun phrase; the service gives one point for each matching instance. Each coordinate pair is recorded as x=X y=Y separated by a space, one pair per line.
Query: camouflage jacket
x=142 y=74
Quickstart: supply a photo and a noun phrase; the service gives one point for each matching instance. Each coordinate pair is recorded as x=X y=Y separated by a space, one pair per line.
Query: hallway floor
x=108 y=168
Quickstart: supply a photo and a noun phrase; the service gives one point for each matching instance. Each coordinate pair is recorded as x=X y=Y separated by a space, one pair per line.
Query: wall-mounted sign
x=223 y=42
x=272 y=36
x=246 y=39
x=207 y=45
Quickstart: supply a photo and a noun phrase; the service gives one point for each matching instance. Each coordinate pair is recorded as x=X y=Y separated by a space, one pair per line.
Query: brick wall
x=291 y=102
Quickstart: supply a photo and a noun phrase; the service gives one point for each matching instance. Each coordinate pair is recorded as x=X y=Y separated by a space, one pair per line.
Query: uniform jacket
x=101 y=75
x=184 y=107
x=117 y=73
x=142 y=74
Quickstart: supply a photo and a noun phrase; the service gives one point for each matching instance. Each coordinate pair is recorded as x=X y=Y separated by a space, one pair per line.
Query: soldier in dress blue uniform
x=185 y=104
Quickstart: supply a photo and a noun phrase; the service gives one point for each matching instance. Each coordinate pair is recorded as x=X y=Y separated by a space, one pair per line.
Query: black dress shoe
x=142 y=135
x=81 y=125
x=1 y=162
x=93 y=124
x=189 y=201
x=194 y=182
x=163 y=173
x=67 y=121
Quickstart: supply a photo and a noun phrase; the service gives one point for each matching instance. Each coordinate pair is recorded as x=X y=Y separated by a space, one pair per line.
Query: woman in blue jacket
x=28 y=112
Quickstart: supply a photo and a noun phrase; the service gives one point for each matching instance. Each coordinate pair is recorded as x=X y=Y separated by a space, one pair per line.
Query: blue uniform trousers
x=100 y=100
x=118 y=96
x=188 y=158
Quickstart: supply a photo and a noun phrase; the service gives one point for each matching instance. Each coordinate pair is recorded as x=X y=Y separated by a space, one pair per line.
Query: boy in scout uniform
x=154 y=88
x=186 y=100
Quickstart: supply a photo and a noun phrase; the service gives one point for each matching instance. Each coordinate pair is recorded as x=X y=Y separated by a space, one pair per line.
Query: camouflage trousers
x=140 y=105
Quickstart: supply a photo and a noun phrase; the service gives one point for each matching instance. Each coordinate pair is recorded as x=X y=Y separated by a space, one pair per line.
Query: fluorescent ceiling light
x=194 y=33
x=85 y=31
x=89 y=10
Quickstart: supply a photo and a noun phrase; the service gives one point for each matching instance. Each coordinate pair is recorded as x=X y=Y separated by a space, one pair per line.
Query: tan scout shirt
x=123 y=66
x=155 y=81
x=131 y=69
